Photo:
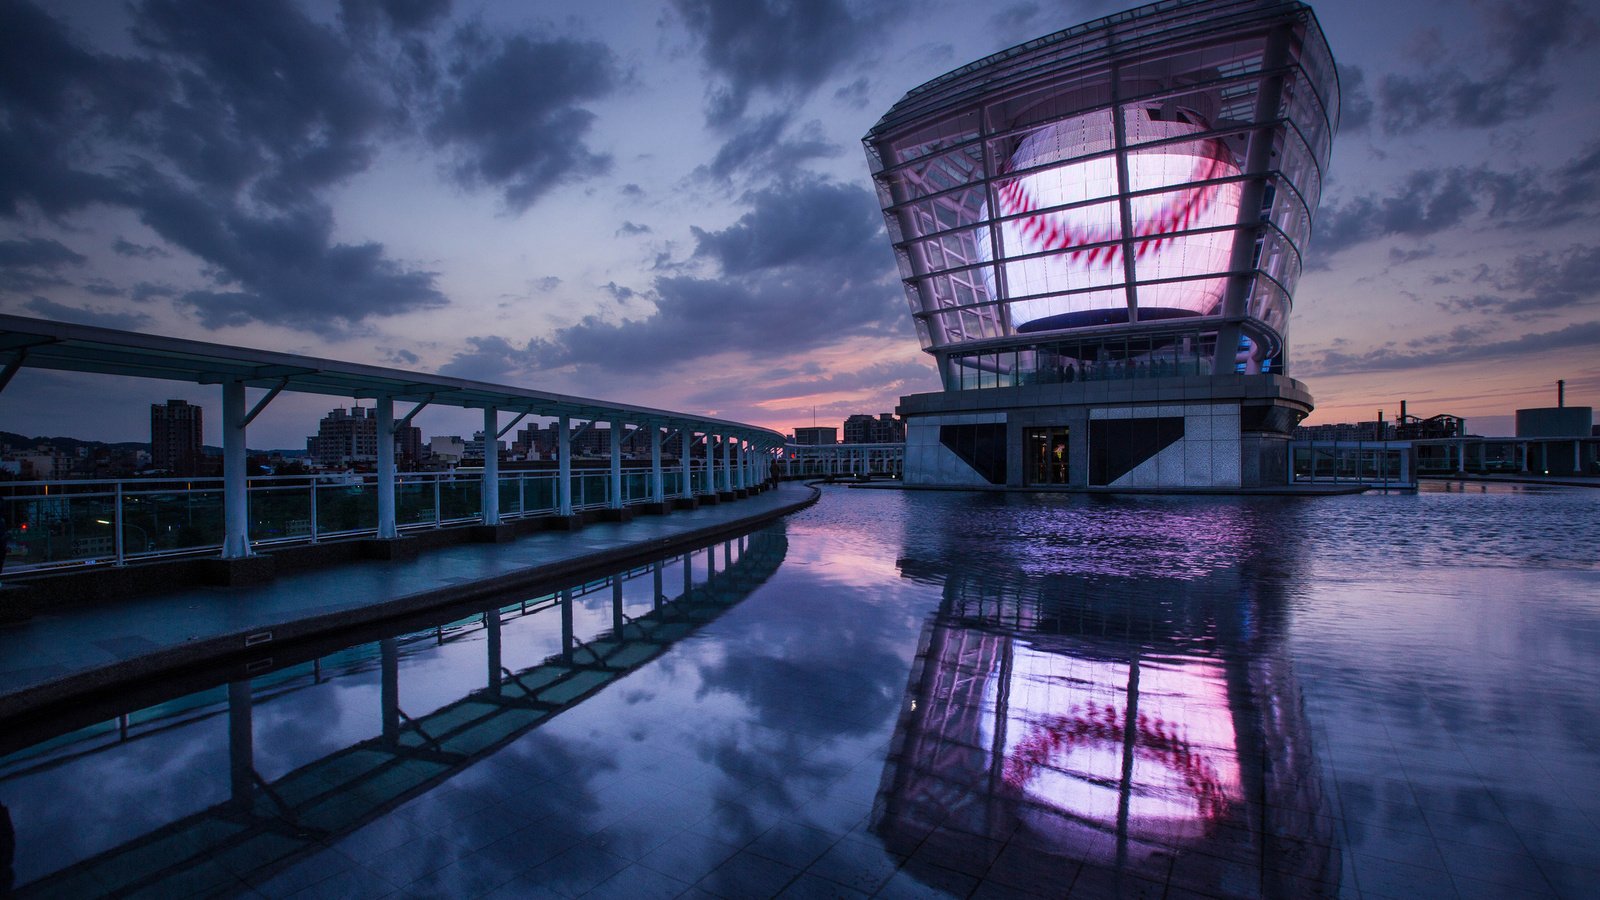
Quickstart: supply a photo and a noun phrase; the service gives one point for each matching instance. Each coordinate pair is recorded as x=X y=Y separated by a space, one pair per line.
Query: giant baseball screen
x=1124 y=175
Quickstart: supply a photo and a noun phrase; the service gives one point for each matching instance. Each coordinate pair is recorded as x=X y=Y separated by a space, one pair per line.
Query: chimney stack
x=1561 y=392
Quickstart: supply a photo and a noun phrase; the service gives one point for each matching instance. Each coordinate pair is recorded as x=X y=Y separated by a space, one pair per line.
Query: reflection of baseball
x=1085 y=237
x=1099 y=731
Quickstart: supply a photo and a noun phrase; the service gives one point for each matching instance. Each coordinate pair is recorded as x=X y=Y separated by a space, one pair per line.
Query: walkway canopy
x=44 y=344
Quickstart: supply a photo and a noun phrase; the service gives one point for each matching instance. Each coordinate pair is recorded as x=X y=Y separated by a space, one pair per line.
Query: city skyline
x=670 y=206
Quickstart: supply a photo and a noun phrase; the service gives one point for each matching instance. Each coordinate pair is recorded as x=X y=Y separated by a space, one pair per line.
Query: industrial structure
x=1099 y=233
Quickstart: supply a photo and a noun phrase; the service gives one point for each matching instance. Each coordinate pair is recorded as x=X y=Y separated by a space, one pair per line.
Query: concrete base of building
x=686 y=503
x=16 y=603
x=708 y=499
x=1211 y=433
x=387 y=548
x=727 y=496
x=564 y=523
x=504 y=533
x=623 y=514
x=654 y=509
x=257 y=569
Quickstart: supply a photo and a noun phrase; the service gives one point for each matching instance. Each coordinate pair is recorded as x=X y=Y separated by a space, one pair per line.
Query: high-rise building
x=177 y=437
x=1099 y=232
x=816 y=436
x=881 y=429
x=349 y=437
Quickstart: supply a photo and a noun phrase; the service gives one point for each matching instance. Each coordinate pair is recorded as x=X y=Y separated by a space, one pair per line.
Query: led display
x=1063 y=206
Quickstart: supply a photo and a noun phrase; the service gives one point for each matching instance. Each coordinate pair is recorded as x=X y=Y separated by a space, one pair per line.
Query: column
x=686 y=490
x=616 y=464
x=564 y=467
x=658 y=490
x=711 y=465
x=489 y=488
x=235 y=487
x=386 y=523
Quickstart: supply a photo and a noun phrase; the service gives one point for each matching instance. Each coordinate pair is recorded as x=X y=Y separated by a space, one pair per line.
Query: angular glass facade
x=1127 y=198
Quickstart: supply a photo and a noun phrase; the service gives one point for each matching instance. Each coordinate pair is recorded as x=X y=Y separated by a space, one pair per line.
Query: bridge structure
x=807 y=460
x=735 y=461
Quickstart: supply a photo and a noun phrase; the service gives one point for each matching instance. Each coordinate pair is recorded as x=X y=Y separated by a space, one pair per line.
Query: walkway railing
x=87 y=522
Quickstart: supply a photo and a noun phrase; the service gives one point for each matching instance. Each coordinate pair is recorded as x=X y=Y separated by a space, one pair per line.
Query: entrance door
x=1047 y=454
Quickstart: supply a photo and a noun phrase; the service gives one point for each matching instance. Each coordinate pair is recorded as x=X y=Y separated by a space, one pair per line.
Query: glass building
x=1100 y=232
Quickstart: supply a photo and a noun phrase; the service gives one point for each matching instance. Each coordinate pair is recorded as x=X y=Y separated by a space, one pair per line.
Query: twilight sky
x=667 y=203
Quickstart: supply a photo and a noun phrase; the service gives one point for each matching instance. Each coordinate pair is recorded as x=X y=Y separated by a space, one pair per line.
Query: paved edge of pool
x=40 y=697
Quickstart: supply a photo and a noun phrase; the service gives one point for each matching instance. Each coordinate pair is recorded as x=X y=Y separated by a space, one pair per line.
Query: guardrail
x=74 y=523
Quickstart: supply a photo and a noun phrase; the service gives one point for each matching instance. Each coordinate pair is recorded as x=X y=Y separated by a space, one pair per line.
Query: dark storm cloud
x=778 y=47
x=1428 y=201
x=400 y=15
x=762 y=146
x=1507 y=81
x=1393 y=359
x=101 y=317
x=804 y=268
x=514 y=116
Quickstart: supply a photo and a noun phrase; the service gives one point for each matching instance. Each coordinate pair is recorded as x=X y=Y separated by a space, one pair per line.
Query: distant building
x=816 y=436
x=885 y=428
x=347 y=437
x=474 y=447
x=176 y=437
x=1345 y=431
x=447 y=448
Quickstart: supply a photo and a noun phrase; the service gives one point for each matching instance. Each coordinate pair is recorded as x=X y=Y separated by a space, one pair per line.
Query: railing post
x=116 y=520
x=438 y=500
x=313 y=509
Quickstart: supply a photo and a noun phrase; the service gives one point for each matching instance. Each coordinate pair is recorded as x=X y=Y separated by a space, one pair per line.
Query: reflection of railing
x=267 y=824
x=55 y=523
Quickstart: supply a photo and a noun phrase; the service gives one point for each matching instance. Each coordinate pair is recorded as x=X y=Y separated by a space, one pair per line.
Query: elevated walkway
x=62 y=654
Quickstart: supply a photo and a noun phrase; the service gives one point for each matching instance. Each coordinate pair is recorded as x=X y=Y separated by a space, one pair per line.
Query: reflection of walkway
x=64 y=653
x=266 y=824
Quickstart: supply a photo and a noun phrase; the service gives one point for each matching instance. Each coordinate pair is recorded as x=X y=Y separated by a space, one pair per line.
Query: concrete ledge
x=708 y=499
x=504 y=533
x=727 y=496
x=624 y=514
x=257 y=569
x=387 y=548
x=16 y=603
x=564 y=523
x=685 y=503
x=654 y=509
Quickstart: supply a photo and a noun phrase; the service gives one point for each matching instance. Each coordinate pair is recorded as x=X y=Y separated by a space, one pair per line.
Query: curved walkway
x=62 y=654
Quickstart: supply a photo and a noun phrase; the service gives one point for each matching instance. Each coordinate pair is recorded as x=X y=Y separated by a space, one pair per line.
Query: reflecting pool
x=900 y=694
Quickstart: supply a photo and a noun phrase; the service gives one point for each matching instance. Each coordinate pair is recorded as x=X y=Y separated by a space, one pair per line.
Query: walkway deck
x=61 y=654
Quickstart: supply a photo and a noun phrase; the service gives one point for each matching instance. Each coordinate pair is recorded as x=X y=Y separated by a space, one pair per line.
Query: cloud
x=514 y=117
x=761 y=146
x=804 y=268
x=137 y=251
x=1507 y=82
x=1355 y=101
x=1390 y=359
x=400 y=15
x=103 y=318
x=38 y=253
x=780 y=48
x=630 y=229
x=1546 y=282
x=1428 y=201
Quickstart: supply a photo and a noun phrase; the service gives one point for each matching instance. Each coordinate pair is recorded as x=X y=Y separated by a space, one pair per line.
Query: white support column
x=658 y=490
x=711 y=465
x=386 y=523
x=616 y=463
x=564 y=465
x=489 y=488
x=742 y=468
x=235 y=488
x=686 y=490
x=725 y=477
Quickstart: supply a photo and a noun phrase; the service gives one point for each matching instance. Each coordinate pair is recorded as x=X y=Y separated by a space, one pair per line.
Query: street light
x=148 y=544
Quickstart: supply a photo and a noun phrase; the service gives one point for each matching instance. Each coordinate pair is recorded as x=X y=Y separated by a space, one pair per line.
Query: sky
x=667 y=204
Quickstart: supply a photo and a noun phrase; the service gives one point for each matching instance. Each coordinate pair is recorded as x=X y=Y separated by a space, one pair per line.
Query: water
x=905 y=694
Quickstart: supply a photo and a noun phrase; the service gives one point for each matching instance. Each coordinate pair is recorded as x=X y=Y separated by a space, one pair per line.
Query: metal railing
x=98 y=521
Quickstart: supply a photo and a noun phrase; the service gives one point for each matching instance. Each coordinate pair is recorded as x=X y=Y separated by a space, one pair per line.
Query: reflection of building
x=176 y=436
x=345 y=437
x=1099 y=232
x=1133 y=730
